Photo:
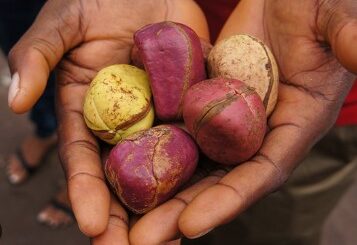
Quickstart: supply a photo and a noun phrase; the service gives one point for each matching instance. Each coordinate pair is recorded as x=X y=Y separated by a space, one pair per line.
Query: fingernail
x=201 y=234
x=14 y=88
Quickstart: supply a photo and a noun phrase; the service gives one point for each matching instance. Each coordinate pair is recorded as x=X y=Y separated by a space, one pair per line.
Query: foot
x=33 y=149
x=58 y=212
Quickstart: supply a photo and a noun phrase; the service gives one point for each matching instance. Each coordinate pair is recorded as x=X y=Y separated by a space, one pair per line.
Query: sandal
x=18 y=174
x=56 y=214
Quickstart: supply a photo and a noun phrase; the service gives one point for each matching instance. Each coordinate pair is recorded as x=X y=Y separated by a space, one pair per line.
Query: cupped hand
x=314 y=44
x=78 y=38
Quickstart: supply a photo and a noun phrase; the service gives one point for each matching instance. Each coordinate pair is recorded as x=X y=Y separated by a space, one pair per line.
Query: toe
x=16 y=174
x=54 y=217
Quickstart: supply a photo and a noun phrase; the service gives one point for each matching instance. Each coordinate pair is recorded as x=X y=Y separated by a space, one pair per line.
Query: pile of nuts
x=135 y=107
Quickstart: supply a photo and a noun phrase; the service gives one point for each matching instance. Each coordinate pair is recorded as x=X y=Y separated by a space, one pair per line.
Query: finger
x=189 y=13
x=117 y=229
x=161 y=224
x=226 y=199
x=134 y=218
x=237 y=21
x=338 y=24
x=343 y=45
x=80 y=157
x=55 y=31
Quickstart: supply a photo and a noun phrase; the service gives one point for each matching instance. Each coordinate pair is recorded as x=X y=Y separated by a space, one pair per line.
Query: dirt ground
x=19 y=205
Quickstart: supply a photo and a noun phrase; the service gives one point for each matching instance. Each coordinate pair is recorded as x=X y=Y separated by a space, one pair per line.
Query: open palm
x=312 y=41
x=79 y=38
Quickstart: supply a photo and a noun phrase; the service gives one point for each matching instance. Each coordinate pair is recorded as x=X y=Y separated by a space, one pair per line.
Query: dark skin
x=310 y=44
x=80 y=38
x=313 y=42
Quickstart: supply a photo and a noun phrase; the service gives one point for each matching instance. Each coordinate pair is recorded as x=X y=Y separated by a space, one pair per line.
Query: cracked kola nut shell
x=172 y=56
x=247 y=59
x=226 y=118
x=148 y=167
x=118 y=103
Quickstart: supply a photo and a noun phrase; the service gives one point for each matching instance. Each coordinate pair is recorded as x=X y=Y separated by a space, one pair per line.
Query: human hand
x=79 y=38
x=314 y=44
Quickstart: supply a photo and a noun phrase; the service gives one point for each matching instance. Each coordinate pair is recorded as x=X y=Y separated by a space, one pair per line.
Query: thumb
x=31 y=60
x=338 y=24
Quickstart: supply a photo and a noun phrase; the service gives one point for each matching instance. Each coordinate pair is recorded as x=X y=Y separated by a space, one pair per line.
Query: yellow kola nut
x=247 y=59
x=118 y=103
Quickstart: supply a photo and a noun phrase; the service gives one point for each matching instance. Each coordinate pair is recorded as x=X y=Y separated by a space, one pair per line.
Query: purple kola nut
x=226 y=118
x=173 y=58
x=148 y=167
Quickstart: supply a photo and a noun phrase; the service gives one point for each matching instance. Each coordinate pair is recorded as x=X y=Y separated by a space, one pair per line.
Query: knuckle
x=68 y=152
x=279 y=175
